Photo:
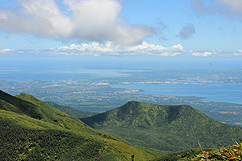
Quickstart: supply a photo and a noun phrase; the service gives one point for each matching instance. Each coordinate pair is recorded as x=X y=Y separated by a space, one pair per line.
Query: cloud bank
x=143 y=49
x=112 y=49
x=109 y=48
x=91 y=20
x=206 y=53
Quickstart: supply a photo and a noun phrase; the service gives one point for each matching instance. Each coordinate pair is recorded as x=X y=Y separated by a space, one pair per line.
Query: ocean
x=216 y=92
x=49 y=68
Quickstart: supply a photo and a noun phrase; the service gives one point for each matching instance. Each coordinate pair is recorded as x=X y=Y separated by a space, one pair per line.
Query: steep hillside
x=71 y=111
x=164 y=127
x=33 y=130
x=14 y=104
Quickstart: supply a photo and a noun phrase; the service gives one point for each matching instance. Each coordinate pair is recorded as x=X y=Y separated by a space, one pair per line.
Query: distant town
x=96 y=94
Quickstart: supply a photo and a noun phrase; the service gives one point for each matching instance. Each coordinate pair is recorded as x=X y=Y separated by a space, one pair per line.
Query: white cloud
x=112 y=49
x=237 y=53
x=92 y=20
x=6 y=50
x=206 y=53
x=202 y=54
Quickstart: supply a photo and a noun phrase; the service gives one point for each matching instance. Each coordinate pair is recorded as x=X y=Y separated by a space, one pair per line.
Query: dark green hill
x=164 y=127
x=54 y=135
x=71 y=111
x=17 y=105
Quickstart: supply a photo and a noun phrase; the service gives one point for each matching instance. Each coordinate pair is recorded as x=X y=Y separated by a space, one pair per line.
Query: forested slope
x=33 y=130
x=164 y=127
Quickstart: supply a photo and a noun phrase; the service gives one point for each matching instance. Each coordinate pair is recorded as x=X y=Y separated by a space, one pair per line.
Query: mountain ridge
x=71 y=111
x=19 y=106
x=164 y=127
x=56 y=135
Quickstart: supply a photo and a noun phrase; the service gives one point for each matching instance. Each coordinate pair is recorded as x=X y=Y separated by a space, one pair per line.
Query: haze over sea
x=68 y=68
x=216 y=92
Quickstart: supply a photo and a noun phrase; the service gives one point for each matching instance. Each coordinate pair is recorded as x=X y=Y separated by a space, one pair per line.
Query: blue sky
x=192 y=28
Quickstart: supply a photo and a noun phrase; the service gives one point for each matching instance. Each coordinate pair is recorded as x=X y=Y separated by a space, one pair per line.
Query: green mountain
x=33 y=130
x=164 y=127
x=71 y=111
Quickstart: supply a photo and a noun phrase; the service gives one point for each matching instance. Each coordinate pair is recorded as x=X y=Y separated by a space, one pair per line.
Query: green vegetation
x=33 y=130
x=71 y=111
x=97 y=95
x=230 y=153
x=180 y=155
x=23 y=143
x=164 y=127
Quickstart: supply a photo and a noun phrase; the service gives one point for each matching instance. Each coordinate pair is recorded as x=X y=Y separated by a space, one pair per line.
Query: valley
x=34 y=130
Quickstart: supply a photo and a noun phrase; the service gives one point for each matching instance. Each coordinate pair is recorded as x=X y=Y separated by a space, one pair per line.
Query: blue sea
x=216 y=92
x=49 y=68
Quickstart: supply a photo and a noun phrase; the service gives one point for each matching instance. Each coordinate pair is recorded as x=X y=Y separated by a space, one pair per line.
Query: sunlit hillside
x=34 y=130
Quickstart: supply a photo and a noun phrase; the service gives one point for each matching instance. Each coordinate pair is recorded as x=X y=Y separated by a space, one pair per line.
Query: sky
x=164 y=28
